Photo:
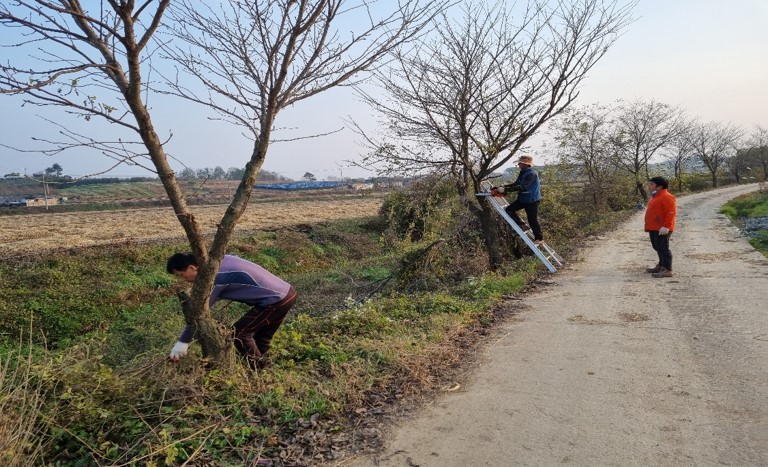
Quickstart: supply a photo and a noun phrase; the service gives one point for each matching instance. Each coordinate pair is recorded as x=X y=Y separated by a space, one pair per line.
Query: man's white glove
x=179 y=350
x=663 y=231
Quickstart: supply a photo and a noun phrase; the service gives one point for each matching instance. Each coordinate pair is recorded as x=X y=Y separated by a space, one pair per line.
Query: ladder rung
x=526 y=235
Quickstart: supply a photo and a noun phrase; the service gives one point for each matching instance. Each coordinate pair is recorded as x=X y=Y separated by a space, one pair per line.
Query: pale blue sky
x=708 y=56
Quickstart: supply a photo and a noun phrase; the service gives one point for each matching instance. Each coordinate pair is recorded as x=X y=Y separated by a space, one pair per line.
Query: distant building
x=41 y=201
x=389 y=184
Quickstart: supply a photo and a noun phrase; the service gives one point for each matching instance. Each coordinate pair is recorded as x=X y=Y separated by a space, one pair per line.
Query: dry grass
x=43 y=232
x=21 y=400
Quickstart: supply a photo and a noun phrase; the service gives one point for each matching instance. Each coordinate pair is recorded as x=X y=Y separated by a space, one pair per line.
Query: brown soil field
x=36 y=233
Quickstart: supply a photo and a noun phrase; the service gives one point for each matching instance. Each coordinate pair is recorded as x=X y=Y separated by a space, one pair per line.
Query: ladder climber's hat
x=528 y=160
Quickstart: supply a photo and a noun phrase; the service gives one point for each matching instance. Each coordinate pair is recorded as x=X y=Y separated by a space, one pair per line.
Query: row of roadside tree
x=627 y=138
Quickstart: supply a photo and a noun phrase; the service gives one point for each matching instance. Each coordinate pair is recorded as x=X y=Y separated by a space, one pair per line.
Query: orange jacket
x=661 y=211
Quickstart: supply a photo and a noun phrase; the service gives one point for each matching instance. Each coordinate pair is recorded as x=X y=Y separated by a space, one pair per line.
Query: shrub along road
x=609 y=366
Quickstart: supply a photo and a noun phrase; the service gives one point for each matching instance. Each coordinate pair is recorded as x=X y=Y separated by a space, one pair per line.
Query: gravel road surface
x=608 y=366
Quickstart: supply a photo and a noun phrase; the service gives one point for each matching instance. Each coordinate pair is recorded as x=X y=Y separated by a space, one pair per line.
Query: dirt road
x=608 y=366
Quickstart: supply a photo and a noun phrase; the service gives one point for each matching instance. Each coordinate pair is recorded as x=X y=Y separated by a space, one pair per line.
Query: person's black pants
x=660 y=243
x=254 y=331
x=531 y=212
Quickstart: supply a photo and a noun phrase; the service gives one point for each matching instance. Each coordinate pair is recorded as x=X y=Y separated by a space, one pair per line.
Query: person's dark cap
x=660 y=181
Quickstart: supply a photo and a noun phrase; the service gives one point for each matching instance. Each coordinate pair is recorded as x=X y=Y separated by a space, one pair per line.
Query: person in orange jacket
x=660 y=223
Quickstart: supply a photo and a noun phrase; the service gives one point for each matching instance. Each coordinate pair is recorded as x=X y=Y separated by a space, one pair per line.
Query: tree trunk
x=641 y=190
x=215 y=339
x=490 y=235
x=216 y=348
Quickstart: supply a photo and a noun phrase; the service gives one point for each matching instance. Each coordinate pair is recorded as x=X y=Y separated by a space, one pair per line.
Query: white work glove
x=663 y=231
x=179 y=350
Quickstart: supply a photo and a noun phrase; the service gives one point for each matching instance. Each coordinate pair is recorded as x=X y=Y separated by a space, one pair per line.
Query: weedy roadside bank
x=388 y=308
x=750 y=213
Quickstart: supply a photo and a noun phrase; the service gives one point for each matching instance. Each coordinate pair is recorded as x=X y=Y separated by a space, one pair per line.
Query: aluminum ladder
x=544 y=252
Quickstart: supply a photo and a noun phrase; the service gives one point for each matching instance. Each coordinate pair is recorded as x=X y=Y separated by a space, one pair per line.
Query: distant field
x=41 y=232
x=140 y=194
x=149 y=190
x=140 y=211
x=124 y=191
x=112 y=191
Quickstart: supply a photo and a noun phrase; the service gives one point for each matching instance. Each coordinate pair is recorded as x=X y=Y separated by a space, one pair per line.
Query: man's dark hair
x=660 y=181
x=180 y=262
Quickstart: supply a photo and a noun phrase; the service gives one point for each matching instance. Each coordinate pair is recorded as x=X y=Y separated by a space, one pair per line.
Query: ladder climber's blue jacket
x=527 y=186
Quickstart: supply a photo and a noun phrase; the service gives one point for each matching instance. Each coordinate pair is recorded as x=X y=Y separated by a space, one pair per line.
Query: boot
x=656 y=268
x=663 y=272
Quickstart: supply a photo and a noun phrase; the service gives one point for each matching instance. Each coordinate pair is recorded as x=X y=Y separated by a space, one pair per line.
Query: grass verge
x=378 y=320
x=750 y=213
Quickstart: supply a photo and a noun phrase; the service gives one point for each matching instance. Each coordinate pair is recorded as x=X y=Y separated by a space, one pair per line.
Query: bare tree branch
x=255 y=57
x=470 y=98
x=583 y=137
x=712 y=143
x=641 y=129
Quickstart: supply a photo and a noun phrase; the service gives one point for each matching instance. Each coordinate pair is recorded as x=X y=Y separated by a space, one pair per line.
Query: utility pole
x=45 y=192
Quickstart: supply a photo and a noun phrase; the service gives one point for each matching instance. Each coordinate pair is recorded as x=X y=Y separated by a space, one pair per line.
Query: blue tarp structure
x=299 y=185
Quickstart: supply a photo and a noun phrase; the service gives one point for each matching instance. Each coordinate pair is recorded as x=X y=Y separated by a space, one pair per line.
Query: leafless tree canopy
x=466 y=101
x=681 y=153
x=712 y=143
x=583 y=143
x=757 y=149
x=78 y=58
x=642 y=128
x=256 y=58
x=472 y=96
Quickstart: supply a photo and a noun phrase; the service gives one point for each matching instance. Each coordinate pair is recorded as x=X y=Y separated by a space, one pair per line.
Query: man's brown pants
x=254 y=331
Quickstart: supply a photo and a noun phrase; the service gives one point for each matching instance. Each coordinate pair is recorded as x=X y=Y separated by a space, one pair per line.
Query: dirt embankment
x=43 y=232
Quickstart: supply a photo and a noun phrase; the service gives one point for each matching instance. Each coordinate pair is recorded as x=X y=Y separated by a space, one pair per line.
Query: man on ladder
x=528 y=191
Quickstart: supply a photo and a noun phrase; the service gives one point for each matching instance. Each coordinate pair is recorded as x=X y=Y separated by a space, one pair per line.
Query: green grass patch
x=108 y=316
x=750 y=206
x=746 y=206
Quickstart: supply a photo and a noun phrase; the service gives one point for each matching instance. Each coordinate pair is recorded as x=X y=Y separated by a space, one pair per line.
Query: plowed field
x=43 y=232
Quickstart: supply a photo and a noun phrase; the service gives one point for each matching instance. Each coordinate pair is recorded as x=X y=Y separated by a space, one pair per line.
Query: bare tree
x=757 y=149
x=737 y=165
x=583 y=139
x=642 y=128
x=465 y=102
x=712 y=143
x=681 y=152
x=93 y=62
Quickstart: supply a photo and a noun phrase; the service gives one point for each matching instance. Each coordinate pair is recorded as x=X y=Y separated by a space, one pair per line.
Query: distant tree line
x=55 y=174
x=233 y=173
x=628 y=140
x=103 y=181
